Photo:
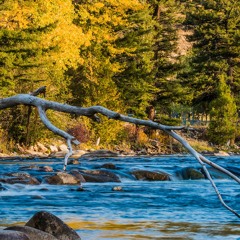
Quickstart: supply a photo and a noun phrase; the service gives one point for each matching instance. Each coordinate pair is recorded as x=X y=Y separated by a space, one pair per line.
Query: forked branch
x=43 y=105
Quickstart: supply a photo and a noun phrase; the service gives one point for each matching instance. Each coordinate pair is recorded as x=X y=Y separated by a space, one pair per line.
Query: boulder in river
x=32 y=233
x=189 y=173
x=78 y=175
x=22 y=178
x=12 y=235
x=150 y=176
x=62 y=178
x=99 y=176
x=53 y=225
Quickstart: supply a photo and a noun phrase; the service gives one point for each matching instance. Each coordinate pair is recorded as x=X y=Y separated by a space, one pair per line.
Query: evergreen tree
x=136 y=81
x=168 y=18
x=216 y=47
x=223 y=114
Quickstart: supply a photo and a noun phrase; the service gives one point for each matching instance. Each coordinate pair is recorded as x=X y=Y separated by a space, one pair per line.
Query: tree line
x=125 y=55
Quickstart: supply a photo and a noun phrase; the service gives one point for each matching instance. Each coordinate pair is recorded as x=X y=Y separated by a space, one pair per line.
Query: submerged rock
x=108 y=166
x=62 y=178
x=31 y=167
x=215 y=174
x=53 y=225
x=189 y=173
x=99 y=176
x=46 y=169
x=150 y=176
x=32 y=233
x=12 y=235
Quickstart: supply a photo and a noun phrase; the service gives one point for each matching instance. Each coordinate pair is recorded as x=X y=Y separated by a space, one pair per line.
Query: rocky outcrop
x=53 y=225
x=150 y=176
x=62 y=178
x=99 y=176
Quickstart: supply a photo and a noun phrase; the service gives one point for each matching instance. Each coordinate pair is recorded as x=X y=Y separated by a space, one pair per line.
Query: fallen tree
x=43 y=105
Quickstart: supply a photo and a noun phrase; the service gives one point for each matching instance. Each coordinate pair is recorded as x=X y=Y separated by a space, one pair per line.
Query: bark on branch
x=43 y=105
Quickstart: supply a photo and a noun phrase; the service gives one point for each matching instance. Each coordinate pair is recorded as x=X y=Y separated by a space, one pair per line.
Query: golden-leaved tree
x=38 y=43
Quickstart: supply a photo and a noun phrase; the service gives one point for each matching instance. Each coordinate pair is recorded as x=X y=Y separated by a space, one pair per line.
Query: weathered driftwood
x=43 y=105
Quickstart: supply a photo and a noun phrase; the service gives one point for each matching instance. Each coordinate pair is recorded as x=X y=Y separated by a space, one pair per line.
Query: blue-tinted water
x=178 y=209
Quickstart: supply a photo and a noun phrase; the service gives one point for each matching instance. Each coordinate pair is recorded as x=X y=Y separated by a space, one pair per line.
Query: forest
x=172 y=61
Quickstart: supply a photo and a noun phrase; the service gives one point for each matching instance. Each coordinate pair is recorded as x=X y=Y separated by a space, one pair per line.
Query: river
x=176 y=209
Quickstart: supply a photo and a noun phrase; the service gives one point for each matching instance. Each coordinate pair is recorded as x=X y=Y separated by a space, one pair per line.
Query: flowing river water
x=176 y=209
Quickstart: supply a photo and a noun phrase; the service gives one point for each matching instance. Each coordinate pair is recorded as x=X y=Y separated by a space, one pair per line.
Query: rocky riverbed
x=101 y=188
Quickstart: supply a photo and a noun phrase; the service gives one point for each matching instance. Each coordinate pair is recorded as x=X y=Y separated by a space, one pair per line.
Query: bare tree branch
x=91 y=112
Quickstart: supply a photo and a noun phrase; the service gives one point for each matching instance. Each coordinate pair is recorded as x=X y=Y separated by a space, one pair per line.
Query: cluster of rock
x=42 y=226
x=107 y=172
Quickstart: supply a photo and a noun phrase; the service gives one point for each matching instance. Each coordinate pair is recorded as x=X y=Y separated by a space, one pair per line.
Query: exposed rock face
x=189 y=173
x=62 y=178
x=51 y=224
x=99 y=176
x=12 y=235
x=151 y=176
x=32 y=233
x=100 y=154
x=22 y=178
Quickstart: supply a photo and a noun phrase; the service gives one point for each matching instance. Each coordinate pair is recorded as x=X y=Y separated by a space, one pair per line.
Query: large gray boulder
x=53 y=225
x=12 y=235
x=32 y=233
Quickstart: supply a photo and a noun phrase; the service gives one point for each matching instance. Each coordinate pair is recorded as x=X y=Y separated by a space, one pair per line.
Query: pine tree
x=136 y=81
x=215 y=25
x=223 y=114
x=168 y=18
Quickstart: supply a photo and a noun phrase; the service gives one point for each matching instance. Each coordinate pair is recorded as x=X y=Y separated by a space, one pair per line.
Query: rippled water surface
x=177 y=209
